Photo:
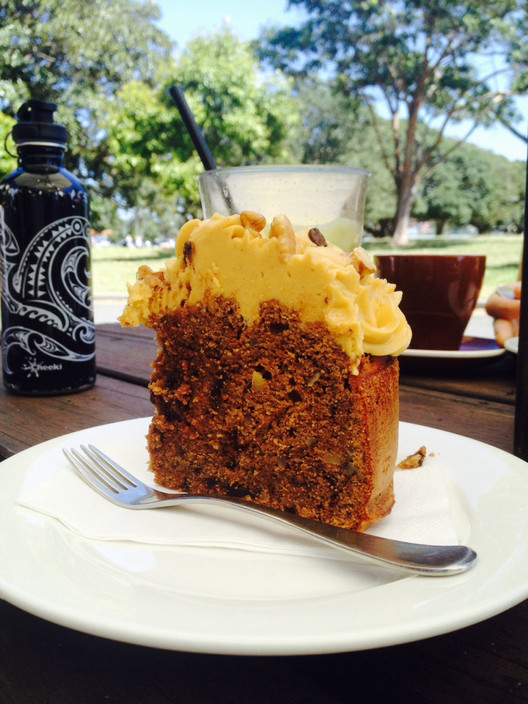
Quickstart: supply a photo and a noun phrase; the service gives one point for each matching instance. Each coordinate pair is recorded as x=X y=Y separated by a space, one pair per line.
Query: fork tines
x=96 y=467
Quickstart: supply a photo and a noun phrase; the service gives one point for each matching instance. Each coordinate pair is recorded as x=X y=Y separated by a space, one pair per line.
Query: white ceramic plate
x=234 y=602
x=512 y=345
x=471 y=348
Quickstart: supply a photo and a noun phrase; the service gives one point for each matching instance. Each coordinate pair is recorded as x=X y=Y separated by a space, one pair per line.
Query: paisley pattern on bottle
x=46 y=290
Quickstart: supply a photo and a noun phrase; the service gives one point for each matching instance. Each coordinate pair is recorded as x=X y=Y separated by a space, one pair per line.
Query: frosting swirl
x=230 y=256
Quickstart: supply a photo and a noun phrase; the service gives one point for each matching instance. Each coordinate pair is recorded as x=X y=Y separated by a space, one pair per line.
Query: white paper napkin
x=421 y=513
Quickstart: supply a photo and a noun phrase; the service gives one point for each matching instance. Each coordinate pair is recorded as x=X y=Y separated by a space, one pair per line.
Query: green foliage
x=149 y=178
x=416 y=57
x=77 y=54
x=54 y=49
x=109 y=68
x=153 y=164
x=474 y=187
x=7 y=162
x=244 y=117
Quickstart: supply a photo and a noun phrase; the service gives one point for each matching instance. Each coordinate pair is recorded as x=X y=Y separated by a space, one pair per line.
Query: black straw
x=193 y=129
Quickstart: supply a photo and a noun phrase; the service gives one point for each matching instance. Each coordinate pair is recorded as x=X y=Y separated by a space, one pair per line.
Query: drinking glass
x=331 y=198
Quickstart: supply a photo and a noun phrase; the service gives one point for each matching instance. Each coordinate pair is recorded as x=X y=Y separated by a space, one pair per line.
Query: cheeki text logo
x=33 y=368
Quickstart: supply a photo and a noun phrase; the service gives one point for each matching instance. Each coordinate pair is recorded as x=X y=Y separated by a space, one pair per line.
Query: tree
x=152 y=163
x=109 y=68
x=414 y=57
x=336 y=128
x=516 y=60
x=147 y=170
x=78 y=54
x=442 y=198
x=473 y=187
x=245 y=118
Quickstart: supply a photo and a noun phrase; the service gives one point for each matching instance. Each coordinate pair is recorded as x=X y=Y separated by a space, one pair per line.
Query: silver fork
x=120 y=487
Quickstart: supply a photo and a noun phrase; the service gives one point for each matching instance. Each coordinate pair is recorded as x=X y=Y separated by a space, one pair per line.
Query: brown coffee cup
x=440 y=292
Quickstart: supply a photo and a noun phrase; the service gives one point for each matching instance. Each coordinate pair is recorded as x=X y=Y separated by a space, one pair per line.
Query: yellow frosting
x=230 y=256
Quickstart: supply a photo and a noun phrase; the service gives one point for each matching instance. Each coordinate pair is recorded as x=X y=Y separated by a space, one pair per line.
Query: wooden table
x=43 y=663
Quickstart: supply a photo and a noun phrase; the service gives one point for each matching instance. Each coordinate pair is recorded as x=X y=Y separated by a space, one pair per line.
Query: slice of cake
x=276 y=378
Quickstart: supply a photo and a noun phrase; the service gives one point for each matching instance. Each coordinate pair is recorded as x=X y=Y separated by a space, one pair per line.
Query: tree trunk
x=138 y=225
x=406 y=197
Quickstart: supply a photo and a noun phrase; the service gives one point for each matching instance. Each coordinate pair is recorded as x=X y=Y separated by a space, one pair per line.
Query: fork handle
x=430 y=560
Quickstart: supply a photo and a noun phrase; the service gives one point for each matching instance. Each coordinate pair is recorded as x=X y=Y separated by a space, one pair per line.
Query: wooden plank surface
x=487 y=421
x=491 y=380
x=125 y=353
x=26 y=421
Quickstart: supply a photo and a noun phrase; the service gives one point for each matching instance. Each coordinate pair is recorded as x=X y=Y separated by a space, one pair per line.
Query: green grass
x=113 y=267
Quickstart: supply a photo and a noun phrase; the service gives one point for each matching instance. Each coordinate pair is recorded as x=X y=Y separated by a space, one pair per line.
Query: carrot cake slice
x=276 y=378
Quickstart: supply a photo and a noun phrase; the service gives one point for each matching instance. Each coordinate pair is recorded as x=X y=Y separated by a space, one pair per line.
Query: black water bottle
x=48 y=334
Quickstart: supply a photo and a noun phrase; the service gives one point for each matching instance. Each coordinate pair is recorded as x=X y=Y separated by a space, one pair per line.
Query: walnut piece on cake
x=415 y=460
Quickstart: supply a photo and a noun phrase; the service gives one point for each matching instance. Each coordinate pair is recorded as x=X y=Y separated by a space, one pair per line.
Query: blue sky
x=185 y=19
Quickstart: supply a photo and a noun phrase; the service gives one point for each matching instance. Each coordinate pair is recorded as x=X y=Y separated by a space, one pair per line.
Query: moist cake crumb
x=271 y=413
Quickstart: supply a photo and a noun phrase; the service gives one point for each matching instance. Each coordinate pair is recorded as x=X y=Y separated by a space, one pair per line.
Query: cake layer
x=271 y=411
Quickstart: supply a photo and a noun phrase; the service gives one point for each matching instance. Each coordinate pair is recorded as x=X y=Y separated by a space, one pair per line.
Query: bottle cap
x=36 y=125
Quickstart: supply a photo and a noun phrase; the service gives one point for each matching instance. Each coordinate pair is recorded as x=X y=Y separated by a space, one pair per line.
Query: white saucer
x=471 y=348
x=223 y=601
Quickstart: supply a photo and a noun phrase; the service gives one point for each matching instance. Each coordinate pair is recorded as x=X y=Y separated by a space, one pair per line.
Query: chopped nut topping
x=317 y=237
x=252 y=221
x=362 y=261
x=282 y=229
x=144 y=271
x=415 y=460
